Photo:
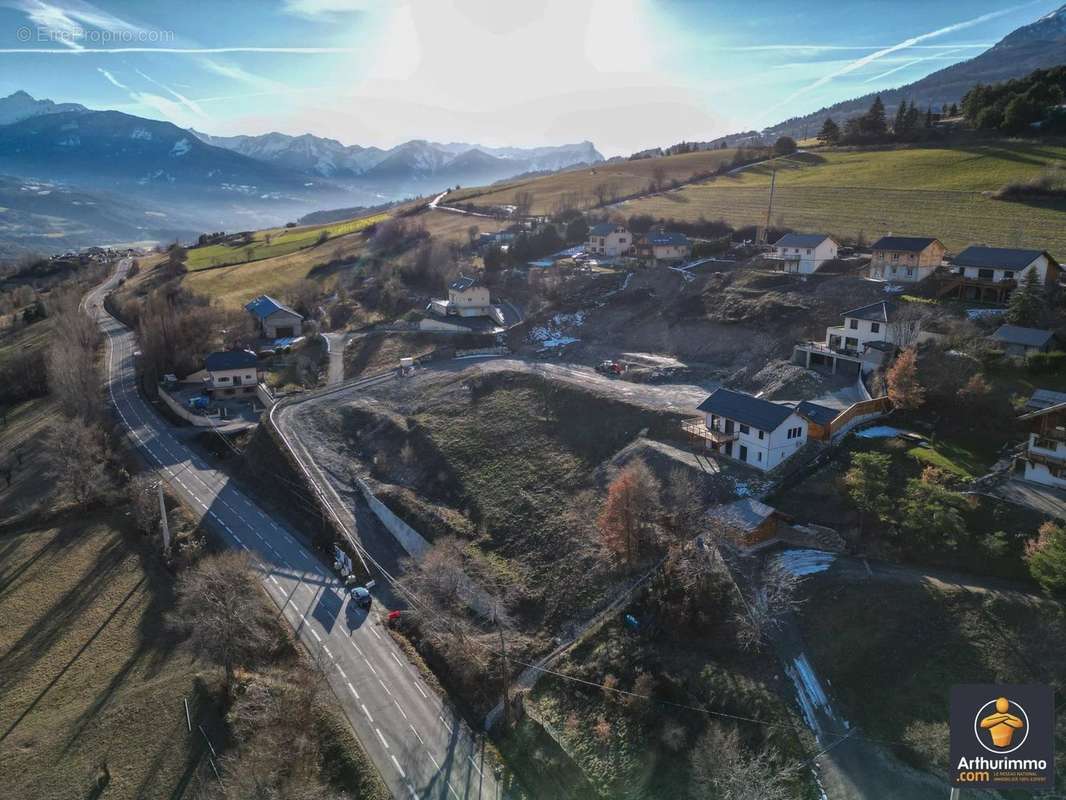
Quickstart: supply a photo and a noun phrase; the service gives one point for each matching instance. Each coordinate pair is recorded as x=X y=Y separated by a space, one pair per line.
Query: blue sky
x=626 y=74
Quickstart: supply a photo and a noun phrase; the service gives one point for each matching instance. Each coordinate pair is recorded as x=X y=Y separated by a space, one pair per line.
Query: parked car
x=361 y=596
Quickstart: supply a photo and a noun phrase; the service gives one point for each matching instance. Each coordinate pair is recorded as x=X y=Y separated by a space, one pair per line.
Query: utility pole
x=770 y=203
x=164 y=526
x=954 y=794
x=506 y=672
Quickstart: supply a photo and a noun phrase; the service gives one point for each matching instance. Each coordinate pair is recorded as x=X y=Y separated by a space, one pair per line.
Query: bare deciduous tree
x=523 y=202
x=79 y=456
x=143 y=495
x=71 y=360
x=722 y=768
x=772 y=598
x=220 y=609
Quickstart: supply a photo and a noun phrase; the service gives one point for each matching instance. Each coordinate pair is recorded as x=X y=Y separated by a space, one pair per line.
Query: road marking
x=386 y=688
x=474 y=764
x=365 y=711
x=328 y=653
x=378 y=732
x=275 y=581
x=394 y=658
x=412 y=727
x=360 y=652
x=400 y=708
x=431 y=758
x=421 y=690
x=375 y=632
x=315 y=634
x=340 y=669
x=370 y=665
x=446 y=725
x=352 y=690
x=397 y=763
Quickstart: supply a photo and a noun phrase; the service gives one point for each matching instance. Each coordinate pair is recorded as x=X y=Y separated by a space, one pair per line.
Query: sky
x=624 y=74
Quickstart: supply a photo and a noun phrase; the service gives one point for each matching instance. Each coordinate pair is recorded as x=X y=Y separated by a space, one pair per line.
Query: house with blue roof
x=804 y=253
x=274 y=319
x=662 y=245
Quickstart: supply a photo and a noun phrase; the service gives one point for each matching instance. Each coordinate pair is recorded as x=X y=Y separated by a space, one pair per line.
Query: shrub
x=1046 y=362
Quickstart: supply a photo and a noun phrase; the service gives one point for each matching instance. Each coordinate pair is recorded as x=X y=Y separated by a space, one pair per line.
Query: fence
x=858 y=412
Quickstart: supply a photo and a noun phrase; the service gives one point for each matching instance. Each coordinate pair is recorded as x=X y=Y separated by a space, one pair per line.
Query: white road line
x=360 y=652
x=397 y=660
x=275 y=581
x=386 y=688
x=374 y=632
x=340 y=669
x=475 y=766
x=327 y=652
x=352 y=690
x=431 y=758
x=400 y=708
x=446 y=725
x=421 y=690
x=367 y=712
x=315 y=634
x=397 y=763
x=370 y=665
x=378 y=732
x=412 y=727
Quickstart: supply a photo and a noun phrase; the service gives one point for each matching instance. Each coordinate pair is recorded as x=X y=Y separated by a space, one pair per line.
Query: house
x=804 y=253
x=660 y=245
x=275 y=320
x=905 y=259
x=1019 y=342
x=467 y=297
x=819 y=420
x=752 y=430
x=868 y=334
x=609 y=240
x=990 y=274
x=1042 y=398
x=231 y=372
x=1044 y=460
x=746 y=520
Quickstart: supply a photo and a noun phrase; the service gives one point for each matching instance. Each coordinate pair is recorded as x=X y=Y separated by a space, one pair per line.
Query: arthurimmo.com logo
x=1002 y=736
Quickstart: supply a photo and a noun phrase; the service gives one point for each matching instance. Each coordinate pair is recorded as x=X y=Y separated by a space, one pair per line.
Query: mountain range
x=1038 y=45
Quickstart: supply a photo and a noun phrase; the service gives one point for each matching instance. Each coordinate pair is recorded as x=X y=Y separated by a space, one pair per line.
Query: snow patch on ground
x=141 y=133
x=879 y=432
x=804 y=562
x=552 y=333
x=978 y=313
x=181 y=147
x=809 y=692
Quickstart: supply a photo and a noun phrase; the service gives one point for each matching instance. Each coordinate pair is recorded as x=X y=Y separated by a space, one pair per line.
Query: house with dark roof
x=748 y=521
x=609 y=240
x=661 y=245
x=1019 y=342
x=231 y=372
x=905 y=259
x=803 y=253
x=869 y=334
x=990 y=274
x=1044 y=460
x=275 y=319
x=749 y=429
x=819 y=419
x=467 y=297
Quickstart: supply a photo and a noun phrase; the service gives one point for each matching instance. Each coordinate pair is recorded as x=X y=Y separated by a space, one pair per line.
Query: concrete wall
x=198 y=420
x=408 y=538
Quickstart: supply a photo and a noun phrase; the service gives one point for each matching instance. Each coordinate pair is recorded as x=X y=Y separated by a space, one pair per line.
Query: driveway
x=1043 y=499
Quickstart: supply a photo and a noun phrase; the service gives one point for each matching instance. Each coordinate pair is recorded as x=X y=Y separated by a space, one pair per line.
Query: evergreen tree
x=954 y=110
x=929 y=117
x=899 y=127
x=876 y=124
x=1046 y=556
x=830 y=132
x=1026 y=303
x=867 y=481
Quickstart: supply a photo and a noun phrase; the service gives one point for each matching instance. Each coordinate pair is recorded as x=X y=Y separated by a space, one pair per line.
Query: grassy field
x=929 y=190
x=274 y=242
x=892 y=651
x=622 y=178
x=26 y=431
x=88 y=672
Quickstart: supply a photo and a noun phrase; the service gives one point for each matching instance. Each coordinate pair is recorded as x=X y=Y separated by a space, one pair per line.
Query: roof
x=819 y=415
x=265 y=305
x=462 y=283
x=801 y=240
x=666 y=238
x=1014 y=334
x=230 y=359
x=880 y=311
x=1058 y=408
x=998 y=257
x=1044 y=398
x=746 y=408
x=745 y=514
x=910 y=244
x=604 y=229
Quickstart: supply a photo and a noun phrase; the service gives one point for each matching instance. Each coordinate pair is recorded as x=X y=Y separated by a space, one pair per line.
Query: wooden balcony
x=697 y=428
x=1049 y=459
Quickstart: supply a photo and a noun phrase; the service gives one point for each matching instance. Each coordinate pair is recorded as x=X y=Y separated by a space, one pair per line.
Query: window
x=745 y=429
x=1044 y=443
x=795 y=433
x=986 y=274
x=910 y=272
x=760 y=436
x=759 y=454
x=853 y=324
x=221 y=379
x=895 y=256
x=875 y=327
x=808 y=251
x=1008 y=274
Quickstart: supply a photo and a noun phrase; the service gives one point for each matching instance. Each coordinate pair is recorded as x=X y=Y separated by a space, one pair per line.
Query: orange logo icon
x=1002 y=725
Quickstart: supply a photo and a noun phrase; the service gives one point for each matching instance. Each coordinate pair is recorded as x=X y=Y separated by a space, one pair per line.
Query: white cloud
x=948 y=54
x=318 y=9
x=113 y=80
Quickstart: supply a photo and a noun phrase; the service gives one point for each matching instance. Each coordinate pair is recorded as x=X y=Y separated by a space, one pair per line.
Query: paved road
x=420 y=747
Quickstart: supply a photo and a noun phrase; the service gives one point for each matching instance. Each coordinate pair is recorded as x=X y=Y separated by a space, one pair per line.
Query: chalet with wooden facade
x=905 y=259
x=990 y=274
x=747 y=521
x=1044 y=460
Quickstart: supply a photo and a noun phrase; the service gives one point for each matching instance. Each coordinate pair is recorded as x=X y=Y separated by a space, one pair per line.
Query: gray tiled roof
x=230 y=359
x=819 y=415
x=801 y=240
x=1029 y=337
x=998 y=257
x=745 y=408
x=463 y=282
x=745 y=514
x=909 y=244
x=603 y=229
x=881 y=311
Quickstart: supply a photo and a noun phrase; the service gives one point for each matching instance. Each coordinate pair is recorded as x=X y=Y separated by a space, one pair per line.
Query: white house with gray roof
x=467 y=297
x=868 y=334
x=990 y=274
x=609 y=240
x=749 y=429
x=804 y=253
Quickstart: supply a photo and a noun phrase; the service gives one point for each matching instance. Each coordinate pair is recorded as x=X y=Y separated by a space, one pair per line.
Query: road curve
x=421 y=748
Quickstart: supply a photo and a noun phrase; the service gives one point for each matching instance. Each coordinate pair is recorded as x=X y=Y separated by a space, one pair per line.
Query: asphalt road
x=420 y=746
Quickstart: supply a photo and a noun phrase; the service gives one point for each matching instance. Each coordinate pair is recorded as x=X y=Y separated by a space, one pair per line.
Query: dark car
x=360 y=596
